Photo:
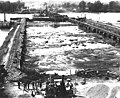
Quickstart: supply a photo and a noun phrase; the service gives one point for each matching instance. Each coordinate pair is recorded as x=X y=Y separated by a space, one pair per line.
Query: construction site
x=60 y=57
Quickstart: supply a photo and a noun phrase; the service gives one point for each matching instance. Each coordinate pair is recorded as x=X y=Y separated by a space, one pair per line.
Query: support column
x=114 y=38
x=94 y=30
x=118 y=40
x=109 y=36
x=105 y=35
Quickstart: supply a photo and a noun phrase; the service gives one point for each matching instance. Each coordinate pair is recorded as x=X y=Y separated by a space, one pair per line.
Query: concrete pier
x=105 y=29
x=12 y=45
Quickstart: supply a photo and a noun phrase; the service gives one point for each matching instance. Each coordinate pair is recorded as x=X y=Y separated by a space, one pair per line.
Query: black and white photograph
x=59 y=48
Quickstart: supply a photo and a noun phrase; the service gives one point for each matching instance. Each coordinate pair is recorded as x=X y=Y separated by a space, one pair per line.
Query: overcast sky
x=60 y=0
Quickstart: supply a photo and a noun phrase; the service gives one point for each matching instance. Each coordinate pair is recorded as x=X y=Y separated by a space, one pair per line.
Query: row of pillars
x=105 y=34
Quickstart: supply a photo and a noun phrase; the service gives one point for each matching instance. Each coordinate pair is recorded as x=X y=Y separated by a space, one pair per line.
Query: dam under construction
x=43 y=53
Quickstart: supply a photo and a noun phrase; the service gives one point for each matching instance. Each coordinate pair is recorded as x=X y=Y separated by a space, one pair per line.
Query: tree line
x=11 y=7
x=97 y=6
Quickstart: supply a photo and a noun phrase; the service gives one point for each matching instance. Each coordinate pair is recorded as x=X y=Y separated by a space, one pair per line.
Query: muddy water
x=67 y=48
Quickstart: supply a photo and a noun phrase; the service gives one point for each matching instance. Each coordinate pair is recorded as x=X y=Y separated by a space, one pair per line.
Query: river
x=105 y=17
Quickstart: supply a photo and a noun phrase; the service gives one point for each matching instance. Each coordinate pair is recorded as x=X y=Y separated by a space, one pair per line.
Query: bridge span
x=10 y=51
x=107 y=30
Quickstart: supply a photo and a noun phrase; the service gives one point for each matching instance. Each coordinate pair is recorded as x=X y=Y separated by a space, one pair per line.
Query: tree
x=114 y=6
x=105 y=8
x=66 y=5
x=90 y=6
x=98 y=6
x=82 y=6
x=20 y=5
x=9 y=7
